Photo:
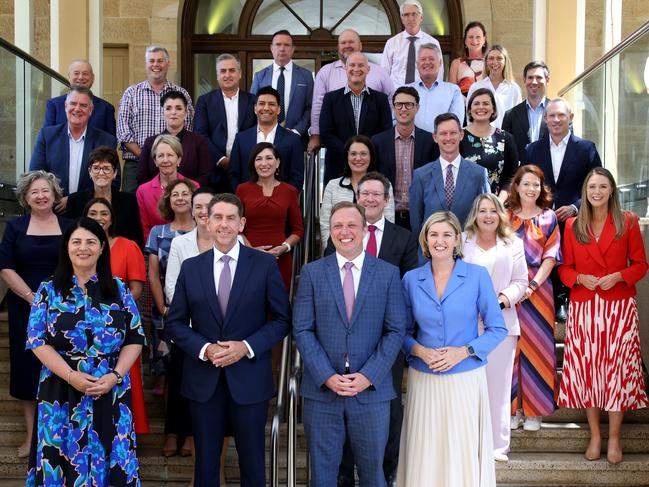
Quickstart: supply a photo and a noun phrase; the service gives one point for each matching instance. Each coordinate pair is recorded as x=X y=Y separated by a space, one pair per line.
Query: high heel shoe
x=170 y=447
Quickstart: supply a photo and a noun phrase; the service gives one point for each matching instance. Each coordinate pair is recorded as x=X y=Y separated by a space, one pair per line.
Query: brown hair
x=164 y=205
x=514 y=200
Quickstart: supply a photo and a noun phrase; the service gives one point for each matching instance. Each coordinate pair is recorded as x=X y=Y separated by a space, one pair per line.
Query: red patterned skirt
x=602 y=365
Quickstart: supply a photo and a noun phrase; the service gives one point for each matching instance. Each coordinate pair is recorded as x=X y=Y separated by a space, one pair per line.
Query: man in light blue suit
x=449 y=183
x=349 y=320
x=64 y=149
x=297 y=84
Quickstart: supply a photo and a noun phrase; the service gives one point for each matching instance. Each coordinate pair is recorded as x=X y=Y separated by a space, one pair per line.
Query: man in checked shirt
x=140 y=113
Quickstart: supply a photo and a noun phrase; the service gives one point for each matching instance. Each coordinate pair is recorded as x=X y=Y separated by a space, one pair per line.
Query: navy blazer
x=580 y=157
x=298 y=115
x=517 y=123
x=426 y=150
x=291 y=168
x=102 y=117
x=52 y=154
x=371 y=339
x=427 y=193
x=258 y=312
x=337 y=125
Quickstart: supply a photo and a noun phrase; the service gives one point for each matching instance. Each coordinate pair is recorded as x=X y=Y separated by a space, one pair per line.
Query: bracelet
x=287 y=245
x=69 y=374
x=533 y=284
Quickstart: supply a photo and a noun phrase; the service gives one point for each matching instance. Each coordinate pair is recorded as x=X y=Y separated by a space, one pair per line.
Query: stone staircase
x=552 y=456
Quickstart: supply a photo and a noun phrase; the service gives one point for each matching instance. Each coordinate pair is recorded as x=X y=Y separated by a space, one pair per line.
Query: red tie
x=371 y=242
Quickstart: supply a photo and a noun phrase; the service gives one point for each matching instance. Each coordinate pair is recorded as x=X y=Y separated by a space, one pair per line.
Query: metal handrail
x=32 y=60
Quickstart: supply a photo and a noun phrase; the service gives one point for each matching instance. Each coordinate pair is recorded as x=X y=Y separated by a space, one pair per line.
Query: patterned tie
x=410 y=66
x=449 y=186
x=371 y=242
x=225 y=282
x=348 y=289
x=281 y=86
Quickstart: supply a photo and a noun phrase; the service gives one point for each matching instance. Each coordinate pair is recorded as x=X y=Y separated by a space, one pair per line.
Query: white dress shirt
x=232 y=116
x=507 y=96
x=288 y=76
x=266 y=138
x=378 y=234
x=356 y=269
x=76 y=159
x=395 y=56
x=233 y=253
x=456 y=168
x=557 y=151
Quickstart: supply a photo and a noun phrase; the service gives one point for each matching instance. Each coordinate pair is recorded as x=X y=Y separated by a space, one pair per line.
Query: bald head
x=80 y=73
x=348 y=41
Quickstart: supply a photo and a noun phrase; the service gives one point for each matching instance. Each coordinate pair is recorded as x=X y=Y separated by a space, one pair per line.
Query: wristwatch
x=120 y=379
x=470 y=351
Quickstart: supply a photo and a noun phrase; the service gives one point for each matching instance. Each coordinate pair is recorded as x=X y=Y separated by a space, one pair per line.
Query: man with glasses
x=399 y=54
x=63 y=149
x=402 y=149
x=436 y=96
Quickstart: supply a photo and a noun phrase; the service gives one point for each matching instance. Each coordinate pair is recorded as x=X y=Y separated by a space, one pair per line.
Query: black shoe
x=561 y=314
x=346 y=481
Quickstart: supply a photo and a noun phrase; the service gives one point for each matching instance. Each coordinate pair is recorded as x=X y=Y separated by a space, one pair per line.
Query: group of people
x=455 y=217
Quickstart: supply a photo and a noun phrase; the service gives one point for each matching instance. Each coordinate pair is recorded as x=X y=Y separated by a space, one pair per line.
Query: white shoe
x=501 y=457
x=532 y=423
x=516 y=420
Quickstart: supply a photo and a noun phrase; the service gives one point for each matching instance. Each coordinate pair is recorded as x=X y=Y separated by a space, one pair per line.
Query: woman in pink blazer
x=489 y=241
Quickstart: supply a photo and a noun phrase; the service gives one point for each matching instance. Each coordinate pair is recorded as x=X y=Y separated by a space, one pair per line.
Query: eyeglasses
x=408 y=105
x=103 y=169
x=366 y=194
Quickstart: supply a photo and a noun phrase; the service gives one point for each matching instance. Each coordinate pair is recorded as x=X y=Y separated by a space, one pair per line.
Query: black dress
x=34 y=258
x=497 y=153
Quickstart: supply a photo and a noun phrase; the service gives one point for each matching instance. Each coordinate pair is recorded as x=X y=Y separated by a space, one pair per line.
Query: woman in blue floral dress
x=85 y=328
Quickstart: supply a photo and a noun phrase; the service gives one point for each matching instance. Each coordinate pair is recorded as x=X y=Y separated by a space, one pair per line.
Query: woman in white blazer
x=489 y=241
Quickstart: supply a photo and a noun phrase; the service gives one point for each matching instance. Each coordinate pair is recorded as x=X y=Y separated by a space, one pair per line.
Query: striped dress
x=534 y=376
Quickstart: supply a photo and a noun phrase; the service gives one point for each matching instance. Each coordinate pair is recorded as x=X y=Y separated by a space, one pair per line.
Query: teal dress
x=80 y=440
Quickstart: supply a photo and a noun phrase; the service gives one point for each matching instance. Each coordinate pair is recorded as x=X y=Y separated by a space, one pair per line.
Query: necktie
x=371 y=242
x=281 y=86
x=410 y=66
x=225 y=282
x=449 y=186
x=348 y=289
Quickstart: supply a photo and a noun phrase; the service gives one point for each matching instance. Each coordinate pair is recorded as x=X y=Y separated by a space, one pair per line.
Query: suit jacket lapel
x=367 y=277
x=333 y=276
x=65 y=158
x=386 y=241
x=347 y=104
x=244 y=267
x=456 y=280
x=88 y=146
x=209 y=286
x=597 y=248
x=365 y=106
x=293 y=82
x=438 y=182
x=545 y=161
x=462 y=177
x=241 y=111
x=427 y=283
x=567 y=157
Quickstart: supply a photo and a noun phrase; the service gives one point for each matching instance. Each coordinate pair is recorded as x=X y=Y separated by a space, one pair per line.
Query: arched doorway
x=244 y=27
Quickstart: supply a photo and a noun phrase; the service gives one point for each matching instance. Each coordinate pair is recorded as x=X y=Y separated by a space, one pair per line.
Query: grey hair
x=82 y=90
x=155 y=48
x=414 y=3
x=357 y=52
x=429 y=45
x=228 y=57
x=26 y=180
x=557 y=100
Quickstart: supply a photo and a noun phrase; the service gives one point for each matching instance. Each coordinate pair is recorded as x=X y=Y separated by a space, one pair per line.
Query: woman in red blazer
x=603 y=258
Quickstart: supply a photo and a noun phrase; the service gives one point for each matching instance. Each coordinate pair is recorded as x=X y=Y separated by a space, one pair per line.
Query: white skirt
x=446 y=435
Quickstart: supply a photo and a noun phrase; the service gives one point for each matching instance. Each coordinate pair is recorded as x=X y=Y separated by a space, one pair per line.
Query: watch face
x=471 y=351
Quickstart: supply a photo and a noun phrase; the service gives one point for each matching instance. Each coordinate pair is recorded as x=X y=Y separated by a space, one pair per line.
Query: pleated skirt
x=446 y=438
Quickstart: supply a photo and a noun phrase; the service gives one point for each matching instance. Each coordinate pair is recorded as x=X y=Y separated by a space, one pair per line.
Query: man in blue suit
x=449 y=183
x=349 y=323
x=223 y=112
x=64 y=149
x=268 y=129
x=103 y=113
x=238 y=308
x=294 y=84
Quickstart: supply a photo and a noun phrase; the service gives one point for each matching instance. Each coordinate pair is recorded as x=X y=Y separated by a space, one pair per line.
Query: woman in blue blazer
x=446 y=434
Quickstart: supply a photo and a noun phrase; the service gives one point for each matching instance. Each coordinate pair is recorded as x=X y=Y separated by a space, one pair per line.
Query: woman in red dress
x=271 y=208
x=603 y=258
x=127 y=263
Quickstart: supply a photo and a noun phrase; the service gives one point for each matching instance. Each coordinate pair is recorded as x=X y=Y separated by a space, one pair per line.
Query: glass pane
x=9 y=96
x=218 y=16
x=369 y=18
x=273 y=16
x=435 y=17
x=204 y=74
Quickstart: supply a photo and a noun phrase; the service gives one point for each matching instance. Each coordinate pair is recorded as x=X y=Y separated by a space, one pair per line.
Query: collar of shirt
x=404 y=34
x=358 y=261
x=147 y=86
x=562 y=143
x=179 y=135
x=230 y=98
x=380 y=224
x=540 y=105
x=287 y=68
x=233 y=253
x=455 y=162
x=398 y=136
x=271 y=134
x=82 y=137
x=421 y=84
x=365 y=90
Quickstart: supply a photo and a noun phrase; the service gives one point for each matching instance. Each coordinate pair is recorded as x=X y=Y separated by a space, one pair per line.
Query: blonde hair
x=504 y=230
x=171 y=140
x=441 y=217
x=508 y=74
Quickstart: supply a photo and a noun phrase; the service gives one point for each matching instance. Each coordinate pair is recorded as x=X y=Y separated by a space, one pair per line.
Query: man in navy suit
x=294 y=84
x=223 y=112
x=238 y=308
x=268 y=129
x=64 y=149
x=103 y=113
x=352 y=110
x=449 y=183
x=402 y=149
x=349 y=322
x=397 y=246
